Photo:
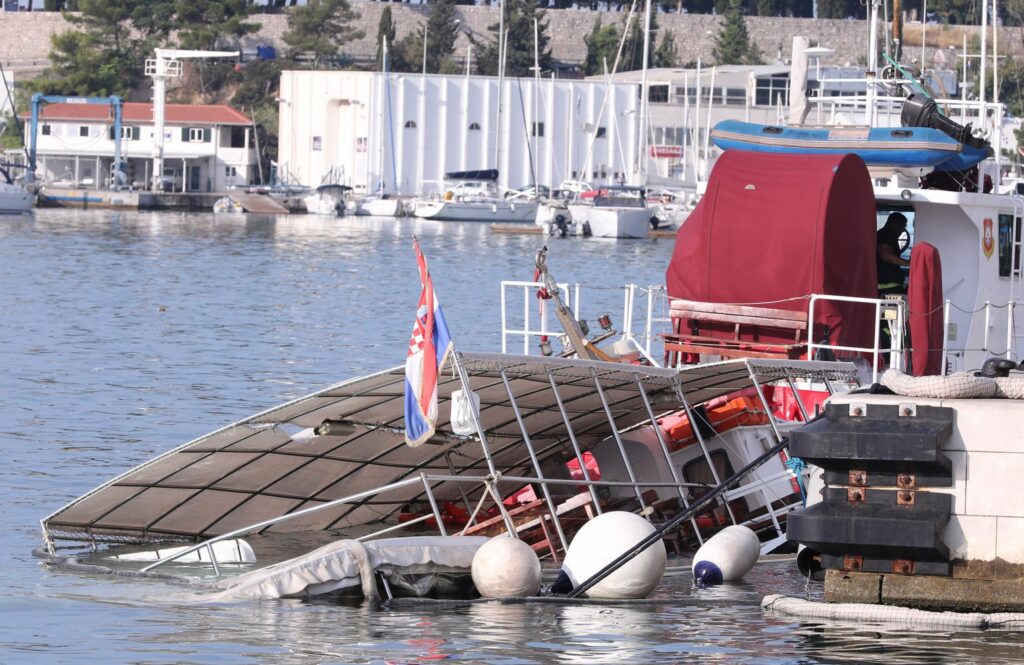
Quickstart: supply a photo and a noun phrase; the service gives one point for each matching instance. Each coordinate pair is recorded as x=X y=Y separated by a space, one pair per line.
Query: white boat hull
x=377 y=207
x=14 y=200
x=323 y=205
x=477 y=211
x=612 y=222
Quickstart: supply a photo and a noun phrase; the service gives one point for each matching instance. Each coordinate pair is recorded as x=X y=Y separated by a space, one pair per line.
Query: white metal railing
x=883 y=307
x=651 y=301
x=992 y=319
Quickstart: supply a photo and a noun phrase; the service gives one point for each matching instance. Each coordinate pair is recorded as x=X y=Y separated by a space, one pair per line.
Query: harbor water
x=125 y=334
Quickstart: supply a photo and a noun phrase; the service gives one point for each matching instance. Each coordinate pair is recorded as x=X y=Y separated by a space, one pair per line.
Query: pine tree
x=519 y=17
x=602 y=45
x=201 y=24
x=319 y=29
x=442 y=28
x=733 y=45
x=667 y=54
x=385 y=33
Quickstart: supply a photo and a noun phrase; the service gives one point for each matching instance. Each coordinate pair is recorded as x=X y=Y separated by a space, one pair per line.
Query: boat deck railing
x=890 y=312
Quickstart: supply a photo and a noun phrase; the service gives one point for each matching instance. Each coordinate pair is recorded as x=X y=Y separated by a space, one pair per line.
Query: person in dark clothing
x=890 y=273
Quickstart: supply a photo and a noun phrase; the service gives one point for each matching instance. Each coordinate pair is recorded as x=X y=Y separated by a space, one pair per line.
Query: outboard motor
x=921 y=111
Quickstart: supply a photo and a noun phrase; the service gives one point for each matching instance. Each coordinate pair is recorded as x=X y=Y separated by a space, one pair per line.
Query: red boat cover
x=774 y=229
x=925 y=306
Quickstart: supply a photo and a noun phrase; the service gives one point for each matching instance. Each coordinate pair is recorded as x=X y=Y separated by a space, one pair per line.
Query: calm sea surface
x=123 y=335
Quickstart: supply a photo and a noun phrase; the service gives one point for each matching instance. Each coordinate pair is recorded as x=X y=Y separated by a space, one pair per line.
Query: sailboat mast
x=641 y=164
x=501 y=83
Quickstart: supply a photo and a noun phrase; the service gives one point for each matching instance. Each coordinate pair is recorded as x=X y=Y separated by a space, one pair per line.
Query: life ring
x=734 y=413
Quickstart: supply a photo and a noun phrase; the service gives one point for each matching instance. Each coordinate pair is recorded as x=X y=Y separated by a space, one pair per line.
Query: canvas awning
x=273 y=463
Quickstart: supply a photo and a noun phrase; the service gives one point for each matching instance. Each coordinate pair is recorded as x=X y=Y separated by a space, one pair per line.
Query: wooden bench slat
x=679 y=308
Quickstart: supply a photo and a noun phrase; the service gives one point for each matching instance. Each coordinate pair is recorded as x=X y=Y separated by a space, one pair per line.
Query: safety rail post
x=433 y=504
x=668 y=456
x=649 y=329
x=213 y=559
x=945 y=335
x=618 y=439
x=572 y=439
x=526 y=321
x=988 y=322
x=504 y=320
x=536 y=462
x=1010 y=324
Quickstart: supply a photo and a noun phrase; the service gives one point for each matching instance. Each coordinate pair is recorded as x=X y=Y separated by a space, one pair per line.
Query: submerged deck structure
x=336 y=460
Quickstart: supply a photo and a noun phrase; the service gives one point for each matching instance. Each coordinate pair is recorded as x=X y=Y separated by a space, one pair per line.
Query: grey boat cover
x=273 y=463
x=348 y=563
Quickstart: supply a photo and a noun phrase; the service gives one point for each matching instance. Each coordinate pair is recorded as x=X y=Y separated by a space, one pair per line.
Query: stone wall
x=25 y=37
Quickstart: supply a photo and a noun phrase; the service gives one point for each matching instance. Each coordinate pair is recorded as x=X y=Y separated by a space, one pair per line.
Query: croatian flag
x=428 y=348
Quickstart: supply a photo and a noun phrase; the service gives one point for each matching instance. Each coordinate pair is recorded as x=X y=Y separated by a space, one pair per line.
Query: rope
x=797 y=466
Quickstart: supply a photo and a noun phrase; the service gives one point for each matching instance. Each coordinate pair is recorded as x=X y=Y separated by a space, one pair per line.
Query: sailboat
x=382 y=203
x=14 y=198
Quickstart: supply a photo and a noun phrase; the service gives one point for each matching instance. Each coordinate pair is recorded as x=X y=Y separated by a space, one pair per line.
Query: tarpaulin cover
x=925 y=306
x=774 y=229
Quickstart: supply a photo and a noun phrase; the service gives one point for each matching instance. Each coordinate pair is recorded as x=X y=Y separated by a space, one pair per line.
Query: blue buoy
x=726 y=556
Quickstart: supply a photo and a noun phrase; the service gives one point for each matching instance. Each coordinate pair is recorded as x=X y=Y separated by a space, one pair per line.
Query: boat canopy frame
x=235 y=480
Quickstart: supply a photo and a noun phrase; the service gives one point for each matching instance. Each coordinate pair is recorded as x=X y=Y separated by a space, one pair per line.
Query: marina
x=177 y=327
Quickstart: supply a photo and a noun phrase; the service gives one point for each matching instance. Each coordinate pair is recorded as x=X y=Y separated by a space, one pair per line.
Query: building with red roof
x=207 y=147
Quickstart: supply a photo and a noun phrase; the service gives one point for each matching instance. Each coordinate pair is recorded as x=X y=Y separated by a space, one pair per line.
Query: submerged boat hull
x=898 y=147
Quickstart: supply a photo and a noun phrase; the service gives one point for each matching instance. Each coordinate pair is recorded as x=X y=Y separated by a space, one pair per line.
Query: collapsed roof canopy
x=272 y=464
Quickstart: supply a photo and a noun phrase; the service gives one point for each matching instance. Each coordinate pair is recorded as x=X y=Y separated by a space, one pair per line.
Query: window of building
x=602 y=132
x=1009 y=235
x=474 y=126
x=83 y=131
x=230 y=171
x=127 y=133
x=410 y=124
x=196 y=134
x=46 y=130
x=658 y=94
x=538 y=129
x=236 y=137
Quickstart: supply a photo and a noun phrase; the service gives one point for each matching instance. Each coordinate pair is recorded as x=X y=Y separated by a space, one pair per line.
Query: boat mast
x=641 y=163
x=501 y=82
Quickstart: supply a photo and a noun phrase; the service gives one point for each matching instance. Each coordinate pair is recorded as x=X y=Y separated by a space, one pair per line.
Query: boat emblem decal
x=988 y=243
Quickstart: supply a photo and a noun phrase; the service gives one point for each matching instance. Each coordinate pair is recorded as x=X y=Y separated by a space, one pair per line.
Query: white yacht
x=472 y=196
x=14 y=198
x=613 y=212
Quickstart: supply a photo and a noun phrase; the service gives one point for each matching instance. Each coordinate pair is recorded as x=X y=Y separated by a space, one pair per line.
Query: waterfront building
x=206 y=147
x=402 y=132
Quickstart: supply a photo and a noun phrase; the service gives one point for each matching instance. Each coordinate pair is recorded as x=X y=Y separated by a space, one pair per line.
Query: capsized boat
x=327 y=199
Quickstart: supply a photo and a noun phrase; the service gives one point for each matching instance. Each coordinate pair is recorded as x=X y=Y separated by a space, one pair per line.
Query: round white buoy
x=601 y=541
x=726 y=556
x=506 y=567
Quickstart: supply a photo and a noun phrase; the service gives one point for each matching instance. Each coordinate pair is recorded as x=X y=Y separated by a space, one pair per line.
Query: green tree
x=733 y=45
x=602 y=45
x=104 y=55
x=519 y=17
x=442 y=29
x=319 y=29
x=385 y=33
x=667 y=54
x=203 y=24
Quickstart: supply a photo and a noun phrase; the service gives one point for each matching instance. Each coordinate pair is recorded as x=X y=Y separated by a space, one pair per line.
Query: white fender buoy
x=726 y=556
x=506 y=567
x=601 y=541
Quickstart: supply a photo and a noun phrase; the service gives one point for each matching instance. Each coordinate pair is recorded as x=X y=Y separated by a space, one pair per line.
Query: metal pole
x=796 y=396
x=692 y=416
x=945 y=335
x=536 y=463
x=433 y=504
x=668 y=456
x=575 y=443
x=618 y=439
x=464 y=379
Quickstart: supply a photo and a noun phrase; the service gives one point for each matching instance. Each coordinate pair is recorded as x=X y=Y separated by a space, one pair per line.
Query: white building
x=206 y=147
x=406 y=130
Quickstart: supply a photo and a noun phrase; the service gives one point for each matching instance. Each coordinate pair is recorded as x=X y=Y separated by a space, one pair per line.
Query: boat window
x=410 y=124
x=882 y=214
x=698 y=471
x=1009 y=235
x=473 y=126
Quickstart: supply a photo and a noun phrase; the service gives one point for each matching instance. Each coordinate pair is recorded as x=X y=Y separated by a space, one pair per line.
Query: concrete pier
x=926 y=592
